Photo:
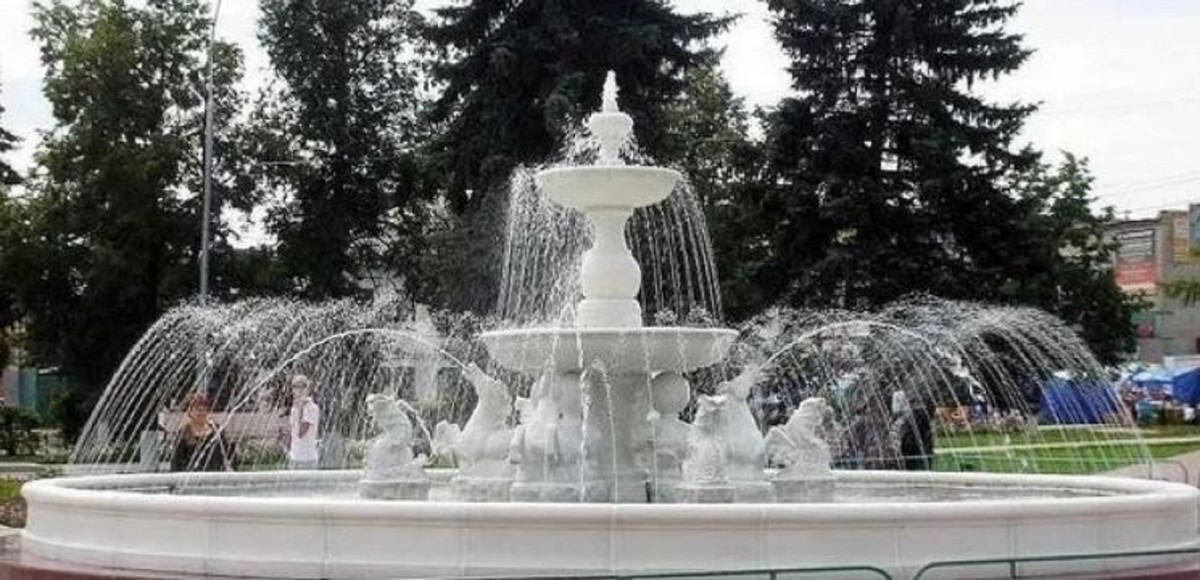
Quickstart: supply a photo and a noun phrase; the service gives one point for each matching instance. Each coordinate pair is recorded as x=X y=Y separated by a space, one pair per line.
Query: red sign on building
x=1137 y=263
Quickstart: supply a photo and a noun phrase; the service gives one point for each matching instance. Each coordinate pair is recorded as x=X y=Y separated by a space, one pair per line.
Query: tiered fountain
x=609 y=345
x=601 y=475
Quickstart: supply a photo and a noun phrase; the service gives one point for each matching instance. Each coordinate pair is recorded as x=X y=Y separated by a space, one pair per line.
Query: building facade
x=1151 y=253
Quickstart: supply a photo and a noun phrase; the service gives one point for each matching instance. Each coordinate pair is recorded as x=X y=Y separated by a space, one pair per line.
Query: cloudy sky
x=1118 y=80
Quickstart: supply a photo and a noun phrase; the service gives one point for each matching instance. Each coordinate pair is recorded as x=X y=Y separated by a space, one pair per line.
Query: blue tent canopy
x=1185 y=386
x=1182 y=384
x=1154 y=379
x=1074 y=402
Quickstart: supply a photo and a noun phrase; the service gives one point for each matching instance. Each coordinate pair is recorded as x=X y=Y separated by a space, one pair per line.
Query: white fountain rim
x=113 y=491
x=114 y=528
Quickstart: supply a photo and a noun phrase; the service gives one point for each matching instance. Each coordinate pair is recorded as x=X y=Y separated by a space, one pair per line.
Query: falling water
x=940 y=355
x=545 y=244
x=242 y=356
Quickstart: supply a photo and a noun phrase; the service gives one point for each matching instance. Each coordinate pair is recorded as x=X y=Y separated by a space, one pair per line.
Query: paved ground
x=1181 y=468
x=20 y=470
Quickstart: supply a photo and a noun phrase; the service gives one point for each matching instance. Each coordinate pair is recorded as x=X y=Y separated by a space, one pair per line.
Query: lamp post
x=206 y=213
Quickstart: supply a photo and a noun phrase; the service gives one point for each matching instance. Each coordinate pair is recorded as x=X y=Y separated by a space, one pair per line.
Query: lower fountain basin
x=623 y=350
x=297 y=525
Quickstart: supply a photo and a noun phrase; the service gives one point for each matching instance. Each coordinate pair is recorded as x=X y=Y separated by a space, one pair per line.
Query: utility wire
x=1172 y=205
x=1148 y=187
x=1138 y=182
x=1116 y=107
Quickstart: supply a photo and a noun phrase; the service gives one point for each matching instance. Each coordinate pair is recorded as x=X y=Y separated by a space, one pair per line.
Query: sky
x=1118 y=82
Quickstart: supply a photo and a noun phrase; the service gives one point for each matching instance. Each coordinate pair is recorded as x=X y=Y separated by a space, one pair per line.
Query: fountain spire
x=610 y=126
x=611 y=91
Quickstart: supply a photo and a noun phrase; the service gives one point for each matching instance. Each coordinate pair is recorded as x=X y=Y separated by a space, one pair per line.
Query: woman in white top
x=304 y=423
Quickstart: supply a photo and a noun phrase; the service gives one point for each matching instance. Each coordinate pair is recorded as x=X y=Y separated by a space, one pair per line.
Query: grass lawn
x=1092 y=451
x=12 y=506
x=1069 y=435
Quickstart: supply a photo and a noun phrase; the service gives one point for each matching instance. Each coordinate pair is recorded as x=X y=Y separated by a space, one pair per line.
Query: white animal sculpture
x=798 y=446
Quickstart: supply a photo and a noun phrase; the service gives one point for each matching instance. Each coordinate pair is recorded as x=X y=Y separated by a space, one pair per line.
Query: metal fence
x=1165 y=561
x=1017 y=566
x=832 y=572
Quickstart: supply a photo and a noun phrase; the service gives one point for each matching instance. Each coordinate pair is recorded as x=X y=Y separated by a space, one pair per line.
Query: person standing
x=304 y=423
x=199 y=446
x=916 y=437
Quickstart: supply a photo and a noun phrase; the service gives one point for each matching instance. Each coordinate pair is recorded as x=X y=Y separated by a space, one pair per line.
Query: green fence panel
x=1013 y=564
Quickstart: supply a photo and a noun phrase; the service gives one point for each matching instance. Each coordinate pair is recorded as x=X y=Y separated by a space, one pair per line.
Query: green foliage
x=1185 y=291
x=8 y=142
x=893 y=172
x=69 y=410
x=890 y=176
x=518 y=75
x=1069 y=262
x=10 y=490
x=340 y=134
x=703 y=129
x=8 y=178
x=17 y=431
x=107 y=238
x=706 y=136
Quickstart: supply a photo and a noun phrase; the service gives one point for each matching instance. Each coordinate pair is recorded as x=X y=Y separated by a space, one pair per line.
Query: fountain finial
x=611 y=90
x=610 y=126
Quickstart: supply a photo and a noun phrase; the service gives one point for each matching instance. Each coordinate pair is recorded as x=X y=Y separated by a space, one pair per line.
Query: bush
x=12 y=505
x=70 y=409
x=18 y=435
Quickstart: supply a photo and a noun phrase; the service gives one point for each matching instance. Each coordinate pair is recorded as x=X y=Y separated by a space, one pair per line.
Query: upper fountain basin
x=622 y=350
x=607 y=186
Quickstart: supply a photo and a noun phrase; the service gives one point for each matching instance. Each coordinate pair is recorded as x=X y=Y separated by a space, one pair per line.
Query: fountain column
x=609 y=278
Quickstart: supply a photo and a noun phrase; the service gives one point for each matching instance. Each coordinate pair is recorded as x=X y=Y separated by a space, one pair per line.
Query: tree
x=706 y=136
x=703 y=128
x=518 y=75
x=8 y=177
x=109 y=233
x=899 y=171
x=1186 y=291
x=1070 y=271
x=8 y=142
x=340 y=140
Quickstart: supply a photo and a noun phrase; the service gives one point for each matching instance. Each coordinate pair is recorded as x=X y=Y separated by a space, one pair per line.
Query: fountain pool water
x=634 y=448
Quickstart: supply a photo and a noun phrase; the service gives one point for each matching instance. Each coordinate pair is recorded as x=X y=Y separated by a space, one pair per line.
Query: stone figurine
x=546 y=445
x=705 y=476
x=481 y=447
x=390 y=471
x=797 y=445
x=744 y=439
x=671 y=394
x=803 y=453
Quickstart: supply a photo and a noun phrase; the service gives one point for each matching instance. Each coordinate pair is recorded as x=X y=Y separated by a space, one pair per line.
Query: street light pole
x=206 y=213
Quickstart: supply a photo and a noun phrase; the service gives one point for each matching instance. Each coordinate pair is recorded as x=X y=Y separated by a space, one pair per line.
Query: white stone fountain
x=619 y=355
x=602 y=425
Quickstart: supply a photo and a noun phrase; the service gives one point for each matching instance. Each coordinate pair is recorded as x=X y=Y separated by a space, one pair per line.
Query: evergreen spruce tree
x=891 y=175
x=337 y=138
x=897 y=171
x=518 y=74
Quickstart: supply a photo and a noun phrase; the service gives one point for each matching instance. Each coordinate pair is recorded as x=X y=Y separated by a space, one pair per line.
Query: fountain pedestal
x=604 y=365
